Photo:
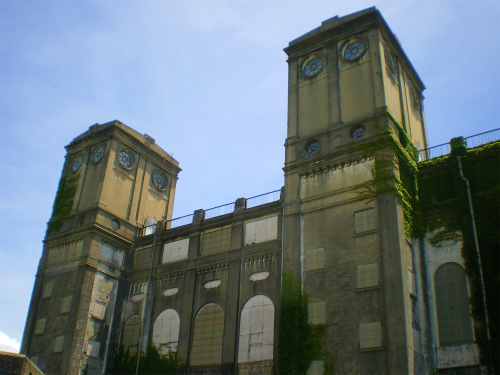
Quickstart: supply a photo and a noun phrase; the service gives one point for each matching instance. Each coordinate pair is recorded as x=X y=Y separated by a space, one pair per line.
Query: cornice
x=212 y=268
x=326 y=164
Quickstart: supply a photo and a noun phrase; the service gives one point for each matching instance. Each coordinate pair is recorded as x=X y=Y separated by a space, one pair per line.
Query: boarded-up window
x=171 y=292
x=59 y=344
x=99 y=310
x=66 y=304
x=364 y=221
x=261 y=230
x=131 y=334
x=316 y=312
x=166 y=331
x=256 y=330
x=111 y=255
x=174 y=251
x=367 y=276
x=142 y=259
x=215 y=242
x=315 y=259
x=412 y=283
x=258 y=276
x=47 y=290
x=370 y=335
x=93 y=348
x=416 y=340
x=207 y=336
x=452 y=302
x=150 y=226
x=316 y=368
x=40 y=326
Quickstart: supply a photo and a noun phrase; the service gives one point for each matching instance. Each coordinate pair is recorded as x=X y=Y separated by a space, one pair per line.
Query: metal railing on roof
x=471 y=141
x=258 y=200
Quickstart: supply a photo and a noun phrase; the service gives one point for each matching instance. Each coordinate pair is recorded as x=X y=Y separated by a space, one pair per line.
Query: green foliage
x=63 y=202
x=433 y=189
x=298 y=342
x=152 y=362
x=444 y=203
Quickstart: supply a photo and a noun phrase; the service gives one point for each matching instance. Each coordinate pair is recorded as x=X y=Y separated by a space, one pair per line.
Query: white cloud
x=9 y=345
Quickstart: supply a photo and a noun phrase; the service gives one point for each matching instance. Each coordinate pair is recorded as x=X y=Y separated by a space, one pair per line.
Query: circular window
x=77 y=163
x=313 y=66
x=125 y=158
x=312 y=147
x=115 y=224
x=389 y=60
x=358 y=132
x=414 y=98
x=98 y=154
x=160 y=180
x=82 y=220
x=354 y=49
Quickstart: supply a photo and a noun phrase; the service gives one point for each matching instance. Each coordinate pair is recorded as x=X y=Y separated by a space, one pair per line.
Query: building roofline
x=337 y=28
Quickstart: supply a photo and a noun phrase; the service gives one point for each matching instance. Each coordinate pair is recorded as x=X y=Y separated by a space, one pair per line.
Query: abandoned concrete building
x=365 y=221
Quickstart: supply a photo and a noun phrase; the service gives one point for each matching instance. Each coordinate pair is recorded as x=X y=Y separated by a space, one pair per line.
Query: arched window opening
x=256 y=330
x=166 y=331
x=207 y=336
x=131 y=334
x=452 y=303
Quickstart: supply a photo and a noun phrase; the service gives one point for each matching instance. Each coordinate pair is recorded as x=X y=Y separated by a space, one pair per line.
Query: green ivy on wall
x=397 y=172
x=63 y=202
x=444 y=204
x=298 y=342
x=152 y=362
x=433 y=190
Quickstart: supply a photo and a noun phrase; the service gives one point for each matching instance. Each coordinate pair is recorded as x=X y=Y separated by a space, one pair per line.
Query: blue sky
x=207 y=80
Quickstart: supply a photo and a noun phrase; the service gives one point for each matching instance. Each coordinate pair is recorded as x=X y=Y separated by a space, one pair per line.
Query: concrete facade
x=117 y=270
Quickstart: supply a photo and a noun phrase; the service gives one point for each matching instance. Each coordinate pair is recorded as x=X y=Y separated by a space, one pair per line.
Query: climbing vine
x=444 y=204
x=298 y=342
x=151 y=362
x=398 y=173
x=433 y=189
x=63 y=202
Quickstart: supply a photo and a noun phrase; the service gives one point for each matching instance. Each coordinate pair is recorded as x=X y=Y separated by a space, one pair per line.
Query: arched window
x=452 y=302
x=256 y=330
x=166 y=331
x=207 y=336
x=131 y=334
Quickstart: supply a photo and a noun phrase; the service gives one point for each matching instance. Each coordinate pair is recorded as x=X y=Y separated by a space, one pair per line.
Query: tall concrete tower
x=355 y=115
x=113 y=181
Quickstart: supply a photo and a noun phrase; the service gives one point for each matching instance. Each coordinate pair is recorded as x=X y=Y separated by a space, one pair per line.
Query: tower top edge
x=97 y=130
x=338 y=28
